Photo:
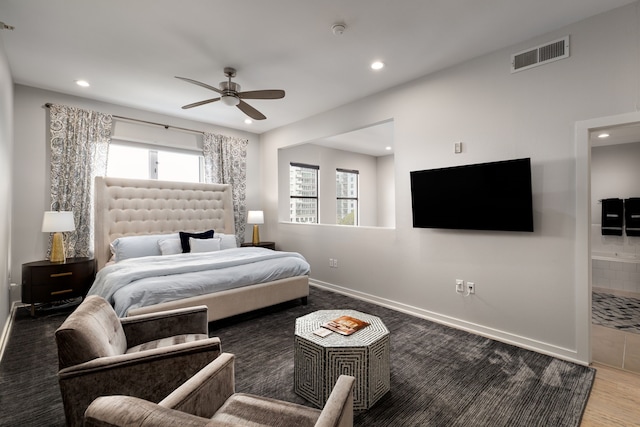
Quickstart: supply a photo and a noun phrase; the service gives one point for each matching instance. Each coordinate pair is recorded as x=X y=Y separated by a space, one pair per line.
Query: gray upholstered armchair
x=209 y=399
x=146 y=356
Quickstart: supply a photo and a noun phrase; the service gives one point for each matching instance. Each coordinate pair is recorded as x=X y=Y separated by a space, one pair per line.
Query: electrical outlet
x=471 y=287
x=335 y=263
x=459 y=286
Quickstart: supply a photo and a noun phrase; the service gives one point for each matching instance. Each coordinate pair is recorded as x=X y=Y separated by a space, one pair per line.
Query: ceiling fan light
x=230 y=100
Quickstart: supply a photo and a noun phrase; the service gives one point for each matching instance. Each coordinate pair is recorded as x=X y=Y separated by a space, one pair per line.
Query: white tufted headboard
x=128 y=207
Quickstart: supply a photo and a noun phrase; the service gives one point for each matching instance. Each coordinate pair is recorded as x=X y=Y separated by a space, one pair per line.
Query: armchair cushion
x=246 y=409
x=167 y=342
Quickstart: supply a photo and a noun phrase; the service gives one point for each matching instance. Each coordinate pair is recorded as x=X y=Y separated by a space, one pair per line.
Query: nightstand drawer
x=50 y=275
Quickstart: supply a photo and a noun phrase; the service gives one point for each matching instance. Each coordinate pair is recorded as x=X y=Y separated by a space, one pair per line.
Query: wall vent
x=558 y=49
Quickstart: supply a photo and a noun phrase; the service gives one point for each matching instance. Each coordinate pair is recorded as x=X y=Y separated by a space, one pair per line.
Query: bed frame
x=128 y=207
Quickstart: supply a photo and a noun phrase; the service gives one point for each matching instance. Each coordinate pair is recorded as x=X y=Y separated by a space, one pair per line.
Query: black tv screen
x=485 y=196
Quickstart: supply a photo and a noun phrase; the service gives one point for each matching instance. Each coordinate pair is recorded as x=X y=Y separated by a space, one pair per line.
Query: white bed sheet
x=140 y=282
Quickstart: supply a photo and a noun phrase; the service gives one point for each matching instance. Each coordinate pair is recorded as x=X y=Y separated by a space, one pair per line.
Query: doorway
x=614 y=153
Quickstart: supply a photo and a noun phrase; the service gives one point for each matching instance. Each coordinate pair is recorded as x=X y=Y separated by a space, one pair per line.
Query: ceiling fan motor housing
x=230 y=93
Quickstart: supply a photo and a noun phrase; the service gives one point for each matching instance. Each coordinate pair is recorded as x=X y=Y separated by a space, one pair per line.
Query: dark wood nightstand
x=46 y=281
x=268 y=245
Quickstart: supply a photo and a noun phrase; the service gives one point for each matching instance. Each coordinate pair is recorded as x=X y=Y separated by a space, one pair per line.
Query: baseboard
x=495 y=334
x=7 y=327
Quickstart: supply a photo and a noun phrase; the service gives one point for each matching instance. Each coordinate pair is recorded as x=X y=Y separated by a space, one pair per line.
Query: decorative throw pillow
x=227 y=241
x=170 y=246
x=204 y=245
x=138 y=246
x=184 y=238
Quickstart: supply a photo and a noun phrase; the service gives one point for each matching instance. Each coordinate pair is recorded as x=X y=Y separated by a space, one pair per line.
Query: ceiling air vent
x=558 y=49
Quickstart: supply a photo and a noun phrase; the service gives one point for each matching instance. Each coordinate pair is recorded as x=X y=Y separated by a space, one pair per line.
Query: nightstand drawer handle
x=66 y=291
x=68 y=273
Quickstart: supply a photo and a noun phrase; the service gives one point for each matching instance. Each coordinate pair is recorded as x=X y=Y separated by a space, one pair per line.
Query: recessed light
x=603 y=135
x=82 y=83
x=248 y=121
x=387 y=148
x=377 y=65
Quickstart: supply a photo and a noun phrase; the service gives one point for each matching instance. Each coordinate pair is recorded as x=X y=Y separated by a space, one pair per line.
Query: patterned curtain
x=225 y=162
x=79 y=147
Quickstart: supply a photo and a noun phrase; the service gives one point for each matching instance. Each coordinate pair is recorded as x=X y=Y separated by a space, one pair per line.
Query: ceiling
x=130 y=51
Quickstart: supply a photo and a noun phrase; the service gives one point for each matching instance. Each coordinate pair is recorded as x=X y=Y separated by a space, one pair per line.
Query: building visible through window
x=303 y=193
x=346 y=197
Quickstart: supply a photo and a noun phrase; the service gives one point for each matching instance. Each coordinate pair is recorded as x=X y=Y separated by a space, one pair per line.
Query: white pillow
x=138 y=246
x=227 y=241
x=170 y=246
x=204 y=245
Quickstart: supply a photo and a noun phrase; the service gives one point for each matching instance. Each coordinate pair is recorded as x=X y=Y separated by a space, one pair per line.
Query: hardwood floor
x=614 y=399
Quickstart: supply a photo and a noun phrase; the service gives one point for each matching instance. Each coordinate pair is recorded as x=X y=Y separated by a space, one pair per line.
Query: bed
x=152 y=209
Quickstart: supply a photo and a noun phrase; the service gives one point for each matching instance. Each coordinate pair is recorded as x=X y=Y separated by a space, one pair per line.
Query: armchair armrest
x=133 y=412
x=338 y=410
x=154 y=326
x=205 y=392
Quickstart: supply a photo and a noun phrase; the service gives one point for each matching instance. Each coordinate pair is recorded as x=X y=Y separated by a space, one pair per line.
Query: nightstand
x=268 y=245
x=46 y=281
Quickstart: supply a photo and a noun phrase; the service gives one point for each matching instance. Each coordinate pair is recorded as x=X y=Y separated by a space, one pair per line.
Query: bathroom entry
x=615 y=254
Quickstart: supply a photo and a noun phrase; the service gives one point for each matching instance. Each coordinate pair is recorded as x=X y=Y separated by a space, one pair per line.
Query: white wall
x=6 y=169
x=527 y=283
x=30 y=159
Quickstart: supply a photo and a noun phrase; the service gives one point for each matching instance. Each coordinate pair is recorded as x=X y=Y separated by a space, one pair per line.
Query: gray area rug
x=617 y=312
x=439 y=376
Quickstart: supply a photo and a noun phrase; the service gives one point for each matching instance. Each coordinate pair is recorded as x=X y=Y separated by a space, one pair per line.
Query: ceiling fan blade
x=199 y=103
x=204 y=85
x=262 y=94
x=250 y=111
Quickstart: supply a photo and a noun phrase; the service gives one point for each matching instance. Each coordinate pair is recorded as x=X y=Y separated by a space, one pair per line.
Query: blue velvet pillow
x=184 y=239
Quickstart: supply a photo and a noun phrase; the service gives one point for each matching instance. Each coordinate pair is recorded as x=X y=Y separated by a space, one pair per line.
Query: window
x=346 y=197
x=130 y=161
x=303 y=193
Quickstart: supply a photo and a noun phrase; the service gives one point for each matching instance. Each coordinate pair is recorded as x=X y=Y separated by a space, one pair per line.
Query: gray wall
x=530 y=287
x=30 y=159
x=6 y=168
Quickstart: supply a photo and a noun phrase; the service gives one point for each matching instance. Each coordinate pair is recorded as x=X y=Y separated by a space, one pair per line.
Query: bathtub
x=616 y=257
x=618 y=271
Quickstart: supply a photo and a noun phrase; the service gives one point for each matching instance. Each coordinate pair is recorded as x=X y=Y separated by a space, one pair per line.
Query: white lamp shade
x=54 y=222
x=255 y=217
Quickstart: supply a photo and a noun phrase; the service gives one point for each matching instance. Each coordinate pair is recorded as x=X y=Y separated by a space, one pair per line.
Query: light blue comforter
x=139 y=282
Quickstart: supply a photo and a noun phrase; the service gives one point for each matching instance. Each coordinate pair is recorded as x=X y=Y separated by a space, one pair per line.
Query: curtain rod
x=48 y=105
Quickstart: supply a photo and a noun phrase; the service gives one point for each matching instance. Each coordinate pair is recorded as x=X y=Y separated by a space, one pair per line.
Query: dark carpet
x=439 y=376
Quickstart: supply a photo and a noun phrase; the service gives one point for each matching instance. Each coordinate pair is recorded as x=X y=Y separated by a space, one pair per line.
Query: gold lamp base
x=57 y=249
x=256 y=235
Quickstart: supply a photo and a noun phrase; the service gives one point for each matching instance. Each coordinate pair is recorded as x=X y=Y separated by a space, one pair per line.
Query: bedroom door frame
x=583 y=279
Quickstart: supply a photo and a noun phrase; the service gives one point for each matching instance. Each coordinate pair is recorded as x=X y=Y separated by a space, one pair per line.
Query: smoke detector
x=338 y=29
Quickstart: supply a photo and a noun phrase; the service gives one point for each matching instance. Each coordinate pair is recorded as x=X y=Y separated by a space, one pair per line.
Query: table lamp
x=57 y=222
x=255 y=218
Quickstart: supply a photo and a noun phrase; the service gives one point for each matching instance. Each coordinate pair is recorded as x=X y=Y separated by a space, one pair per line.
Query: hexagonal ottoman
x=319 y=361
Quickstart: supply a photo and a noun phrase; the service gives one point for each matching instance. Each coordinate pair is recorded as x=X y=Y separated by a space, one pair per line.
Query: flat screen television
x=485 y=196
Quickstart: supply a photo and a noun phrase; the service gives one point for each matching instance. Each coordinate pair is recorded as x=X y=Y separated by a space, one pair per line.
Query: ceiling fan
x=230 y=95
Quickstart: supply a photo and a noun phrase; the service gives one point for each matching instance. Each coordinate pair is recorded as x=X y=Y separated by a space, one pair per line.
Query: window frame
x=356 y=199
x=152 y=153
x=315 y=168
